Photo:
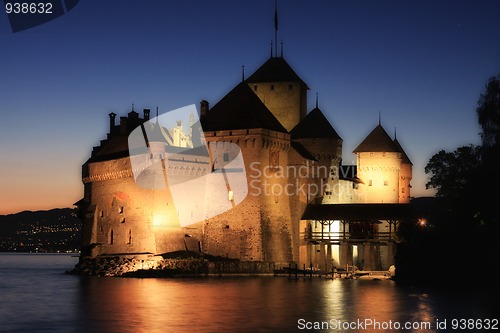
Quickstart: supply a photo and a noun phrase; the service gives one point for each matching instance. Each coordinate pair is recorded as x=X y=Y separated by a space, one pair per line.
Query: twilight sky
x=421 y=64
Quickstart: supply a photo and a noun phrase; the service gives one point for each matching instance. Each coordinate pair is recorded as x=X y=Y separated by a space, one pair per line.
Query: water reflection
x=36 y=297
x=243 y=304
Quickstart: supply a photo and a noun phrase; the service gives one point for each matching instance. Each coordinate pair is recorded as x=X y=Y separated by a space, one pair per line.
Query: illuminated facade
x=293 y=164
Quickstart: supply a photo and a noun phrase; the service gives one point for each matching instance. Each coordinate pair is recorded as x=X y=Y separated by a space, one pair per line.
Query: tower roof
x=406 y=159
x=303 y=151
x=240 y=109
x=314 y=125
x=377 y=141
x=275 y=69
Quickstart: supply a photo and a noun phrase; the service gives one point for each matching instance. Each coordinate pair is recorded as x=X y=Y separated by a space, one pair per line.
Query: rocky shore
x=159 y=266
x=130 y=267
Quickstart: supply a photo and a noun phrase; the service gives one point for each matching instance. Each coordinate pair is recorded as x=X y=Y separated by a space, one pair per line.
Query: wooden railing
x=341 y=236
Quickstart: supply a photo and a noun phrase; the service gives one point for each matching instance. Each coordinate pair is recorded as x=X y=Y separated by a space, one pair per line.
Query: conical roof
x=240 y=109
x=314 y=125
x=377 y=141
x=406 y=159
x=275 y=69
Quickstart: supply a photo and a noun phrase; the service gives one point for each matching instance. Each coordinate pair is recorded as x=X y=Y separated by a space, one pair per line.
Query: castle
x=301 y=204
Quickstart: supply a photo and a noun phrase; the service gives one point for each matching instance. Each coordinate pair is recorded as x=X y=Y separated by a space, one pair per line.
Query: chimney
x=146 y=114
x=112 y=117
x=123 y=125
x=203 y=108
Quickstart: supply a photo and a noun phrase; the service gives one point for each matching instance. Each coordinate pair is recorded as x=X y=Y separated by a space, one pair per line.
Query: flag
x=276 y=16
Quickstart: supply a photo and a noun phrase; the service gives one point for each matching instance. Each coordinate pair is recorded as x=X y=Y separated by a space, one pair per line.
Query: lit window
x=230 y=195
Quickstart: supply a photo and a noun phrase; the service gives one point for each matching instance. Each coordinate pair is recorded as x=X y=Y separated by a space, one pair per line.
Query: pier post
x=345 y=255
x=390 y=253
x=368 y=257
x=329 y=257
x=322 y=257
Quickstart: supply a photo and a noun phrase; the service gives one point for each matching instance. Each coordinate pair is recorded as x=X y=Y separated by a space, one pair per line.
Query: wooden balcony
x=340 y=237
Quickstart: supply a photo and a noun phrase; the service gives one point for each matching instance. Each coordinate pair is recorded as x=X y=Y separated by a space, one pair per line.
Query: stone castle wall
x=405 y=176
x=123 y=216
x=380 y=173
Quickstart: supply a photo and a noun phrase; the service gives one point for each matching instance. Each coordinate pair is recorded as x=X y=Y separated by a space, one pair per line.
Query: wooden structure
x=342 y=235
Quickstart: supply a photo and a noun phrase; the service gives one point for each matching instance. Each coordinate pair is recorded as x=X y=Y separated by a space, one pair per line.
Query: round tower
x=379 y=165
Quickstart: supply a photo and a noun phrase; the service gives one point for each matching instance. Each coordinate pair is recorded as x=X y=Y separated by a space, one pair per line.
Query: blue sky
x=421 y=64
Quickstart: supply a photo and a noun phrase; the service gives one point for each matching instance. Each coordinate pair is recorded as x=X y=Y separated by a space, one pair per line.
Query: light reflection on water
x=36 y=297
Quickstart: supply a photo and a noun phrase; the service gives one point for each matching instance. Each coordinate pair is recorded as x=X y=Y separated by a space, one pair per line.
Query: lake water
x=36 y=296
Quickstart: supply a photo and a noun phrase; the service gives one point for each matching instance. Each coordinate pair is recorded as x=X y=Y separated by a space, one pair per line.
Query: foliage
x=488 y=113
x=465 y=210
x=453 y=172
x=465 y=178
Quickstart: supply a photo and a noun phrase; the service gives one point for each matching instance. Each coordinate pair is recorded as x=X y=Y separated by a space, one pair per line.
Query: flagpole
x=276 y=28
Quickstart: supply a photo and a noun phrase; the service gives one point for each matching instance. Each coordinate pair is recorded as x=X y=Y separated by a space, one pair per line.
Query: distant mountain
x=55 y=230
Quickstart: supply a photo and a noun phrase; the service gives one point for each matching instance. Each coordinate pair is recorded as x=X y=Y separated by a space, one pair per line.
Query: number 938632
x=28 y=7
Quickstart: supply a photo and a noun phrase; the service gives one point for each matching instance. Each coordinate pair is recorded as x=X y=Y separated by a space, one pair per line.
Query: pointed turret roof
x=275 y=69
x=377 y=141
x=314 y=125
x=240 y=109
x=303 y=151
x=406 y=159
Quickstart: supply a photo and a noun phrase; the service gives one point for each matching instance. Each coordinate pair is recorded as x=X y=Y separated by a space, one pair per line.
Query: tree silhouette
x=465 y=178
x=488 y=113
x=452 y=172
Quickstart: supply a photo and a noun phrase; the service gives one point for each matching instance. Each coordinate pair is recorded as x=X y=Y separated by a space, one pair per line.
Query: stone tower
x=114 y=221
x=379 y=164
x=405 y=175
x=281 y=90
x=260 y=228
x=316 y=134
